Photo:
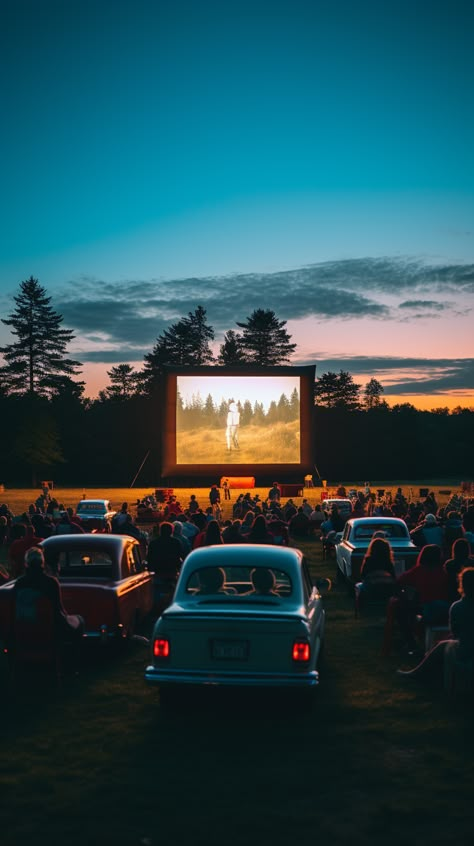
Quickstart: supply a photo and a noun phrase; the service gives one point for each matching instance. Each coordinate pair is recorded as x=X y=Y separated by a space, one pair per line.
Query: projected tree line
x=198 y=412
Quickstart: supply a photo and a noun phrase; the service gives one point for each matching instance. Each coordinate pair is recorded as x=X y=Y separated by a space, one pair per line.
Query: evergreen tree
x=295 y=405
x=337 y=390
x=231 y=352
x=184 y=343
x=264 y=339
x=372 y=394
x=258 y=413
x=247 y=413
x=284 y=409
x=124 y=383
x=36 y=363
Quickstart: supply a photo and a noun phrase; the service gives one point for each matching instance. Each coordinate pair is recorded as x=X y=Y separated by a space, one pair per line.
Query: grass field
x=20 y=498
x=271 y=444
x=375 y=761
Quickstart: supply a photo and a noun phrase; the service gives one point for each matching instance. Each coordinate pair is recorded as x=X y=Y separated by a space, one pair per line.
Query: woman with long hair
x=213 y=534
x=378 y=558
x=259 y=532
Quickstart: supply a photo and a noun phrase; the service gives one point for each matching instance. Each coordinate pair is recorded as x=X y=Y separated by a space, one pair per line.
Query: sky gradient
x=314 y=158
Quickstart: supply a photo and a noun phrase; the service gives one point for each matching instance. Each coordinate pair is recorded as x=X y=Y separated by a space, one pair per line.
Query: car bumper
x=154 y=675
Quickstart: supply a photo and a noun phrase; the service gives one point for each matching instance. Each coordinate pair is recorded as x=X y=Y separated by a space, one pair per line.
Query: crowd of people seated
x=428 y=591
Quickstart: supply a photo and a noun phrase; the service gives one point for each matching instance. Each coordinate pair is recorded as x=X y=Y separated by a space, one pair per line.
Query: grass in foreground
x=375 y=760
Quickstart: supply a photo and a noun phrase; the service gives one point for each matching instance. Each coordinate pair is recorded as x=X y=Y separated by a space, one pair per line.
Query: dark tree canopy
x=337 y=390
x=124 y=383
x=373 y=394
x=264 y=339
x=185 y=343
x=230 y=351
x=35 y=363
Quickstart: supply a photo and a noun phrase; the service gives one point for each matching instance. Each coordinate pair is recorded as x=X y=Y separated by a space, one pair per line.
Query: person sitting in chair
x=37 y=583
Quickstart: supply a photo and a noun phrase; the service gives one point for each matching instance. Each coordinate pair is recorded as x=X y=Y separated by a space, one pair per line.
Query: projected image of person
x=238 y=419
x=232 y=426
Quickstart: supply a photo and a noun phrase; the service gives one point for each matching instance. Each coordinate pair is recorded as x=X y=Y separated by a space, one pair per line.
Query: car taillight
x=301 y=650
x=161 y=647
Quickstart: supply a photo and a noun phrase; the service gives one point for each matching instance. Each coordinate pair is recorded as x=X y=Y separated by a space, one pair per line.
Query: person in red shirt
x=425 y=590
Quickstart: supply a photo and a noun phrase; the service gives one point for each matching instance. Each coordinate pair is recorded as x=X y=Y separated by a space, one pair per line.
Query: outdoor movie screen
x=238 y=419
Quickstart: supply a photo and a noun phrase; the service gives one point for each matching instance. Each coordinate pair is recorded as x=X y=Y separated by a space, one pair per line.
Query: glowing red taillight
x=301 y=650
x=161 y=647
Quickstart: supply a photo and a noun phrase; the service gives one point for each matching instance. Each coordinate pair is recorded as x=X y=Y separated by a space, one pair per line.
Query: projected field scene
x=238 y=420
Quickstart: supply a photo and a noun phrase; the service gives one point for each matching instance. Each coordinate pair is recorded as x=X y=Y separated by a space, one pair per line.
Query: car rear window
x=240 y=583
x=339 y=503
x=77 y=562
x=93 y=507
x=390 y=530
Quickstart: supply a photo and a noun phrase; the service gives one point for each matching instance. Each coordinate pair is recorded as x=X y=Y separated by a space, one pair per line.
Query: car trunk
x=97 y=603
x=247 y=642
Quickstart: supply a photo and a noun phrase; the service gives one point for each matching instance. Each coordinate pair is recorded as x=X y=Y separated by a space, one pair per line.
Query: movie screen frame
x=285 y=470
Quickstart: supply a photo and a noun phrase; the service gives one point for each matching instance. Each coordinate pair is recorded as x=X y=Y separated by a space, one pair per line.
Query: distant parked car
x=103 y=578
x=95 y=514
x=356 y=537
x=344 y=506
x=223 y=630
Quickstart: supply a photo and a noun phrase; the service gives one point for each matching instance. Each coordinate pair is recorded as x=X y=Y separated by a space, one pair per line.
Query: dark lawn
x=375 y=761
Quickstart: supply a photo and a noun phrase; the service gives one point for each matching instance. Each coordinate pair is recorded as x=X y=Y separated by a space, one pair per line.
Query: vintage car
x=353 y=542
x=242 y=614
x=95 y=513
x=344 y=506
x=103 y=578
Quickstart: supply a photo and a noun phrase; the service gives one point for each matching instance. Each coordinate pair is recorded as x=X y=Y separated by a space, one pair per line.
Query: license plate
x=230 y=650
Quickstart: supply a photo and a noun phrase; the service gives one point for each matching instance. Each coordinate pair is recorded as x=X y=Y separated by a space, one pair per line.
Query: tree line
x=48 y=426
x=196 y=412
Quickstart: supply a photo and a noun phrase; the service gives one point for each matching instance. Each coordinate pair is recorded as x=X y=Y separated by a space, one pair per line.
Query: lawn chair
x=373 y=595
x=34 y=646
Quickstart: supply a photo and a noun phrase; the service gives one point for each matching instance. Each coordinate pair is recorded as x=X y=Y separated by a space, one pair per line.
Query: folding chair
x=34 y=645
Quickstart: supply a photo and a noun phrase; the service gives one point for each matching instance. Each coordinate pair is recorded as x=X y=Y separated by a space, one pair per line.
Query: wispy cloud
x=403 y=375
x=429 y=305
x=135 y=311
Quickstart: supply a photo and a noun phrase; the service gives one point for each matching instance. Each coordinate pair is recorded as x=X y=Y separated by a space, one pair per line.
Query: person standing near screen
x=232 y=427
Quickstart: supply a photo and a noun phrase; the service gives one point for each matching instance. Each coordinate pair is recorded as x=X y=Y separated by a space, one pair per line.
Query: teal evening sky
x=165 y=143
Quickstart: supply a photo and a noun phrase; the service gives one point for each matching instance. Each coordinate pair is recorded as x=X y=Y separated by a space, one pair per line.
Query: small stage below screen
x=291 y=490
x=238 y=481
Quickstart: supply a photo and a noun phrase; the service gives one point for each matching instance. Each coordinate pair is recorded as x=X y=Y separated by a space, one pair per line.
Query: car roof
x=333 y=499
x=93 y=502
x=243 y=555
x=92 y=541
x=361 y=521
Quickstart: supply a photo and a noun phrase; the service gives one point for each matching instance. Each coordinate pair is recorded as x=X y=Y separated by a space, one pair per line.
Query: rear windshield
x=390 y=530
x=96 y=507
x=240 y=582
x=78 y=562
